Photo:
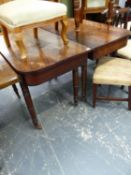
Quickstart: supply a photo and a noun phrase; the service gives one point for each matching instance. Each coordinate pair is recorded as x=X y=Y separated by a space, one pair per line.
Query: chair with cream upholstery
x=18 y=15
x=112 y=71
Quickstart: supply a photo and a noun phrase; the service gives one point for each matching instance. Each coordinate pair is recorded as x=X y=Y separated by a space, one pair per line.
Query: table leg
x=84 y=81
x=29 y=103
x=75 y=85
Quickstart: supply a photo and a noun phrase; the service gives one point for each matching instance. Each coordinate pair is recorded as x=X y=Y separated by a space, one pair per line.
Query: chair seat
x=113 y=71
x=22 y=12
x=125 y=52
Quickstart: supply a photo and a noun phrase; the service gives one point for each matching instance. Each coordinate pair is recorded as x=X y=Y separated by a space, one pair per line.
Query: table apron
x=36 y=78
x=107 y=49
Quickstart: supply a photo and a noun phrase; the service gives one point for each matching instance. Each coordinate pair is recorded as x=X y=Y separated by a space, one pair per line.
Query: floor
x=75 y=140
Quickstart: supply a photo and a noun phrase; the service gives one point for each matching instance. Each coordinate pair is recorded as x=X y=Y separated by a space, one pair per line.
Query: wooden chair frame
x=96 y=97
x=80 y=11
x=8 y=76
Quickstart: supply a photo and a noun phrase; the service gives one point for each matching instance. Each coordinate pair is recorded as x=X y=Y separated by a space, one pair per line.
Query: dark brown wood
x=84 y=81
x=29 y=103
x=110 y=98
x=75 y=85
x=110 y=12
x=101 y=39
x=77 y=11
x=47 y=58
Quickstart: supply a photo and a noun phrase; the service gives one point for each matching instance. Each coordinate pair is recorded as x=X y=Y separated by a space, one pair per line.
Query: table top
x=44 y=53
x=93 y=34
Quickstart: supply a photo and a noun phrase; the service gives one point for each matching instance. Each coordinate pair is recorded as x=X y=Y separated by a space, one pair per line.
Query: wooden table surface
x=45 y=53
x=102 y=39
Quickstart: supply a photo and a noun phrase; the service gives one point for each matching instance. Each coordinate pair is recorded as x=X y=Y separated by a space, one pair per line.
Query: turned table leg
x=29 y=103
x=84 y=81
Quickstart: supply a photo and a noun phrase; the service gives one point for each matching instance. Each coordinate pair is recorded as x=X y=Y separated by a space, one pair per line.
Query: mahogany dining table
x=48 y=57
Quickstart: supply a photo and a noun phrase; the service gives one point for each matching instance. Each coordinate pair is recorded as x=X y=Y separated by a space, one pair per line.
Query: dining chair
x=83 y=7
x=112 y=71
x=7 y=76
x=19 y=15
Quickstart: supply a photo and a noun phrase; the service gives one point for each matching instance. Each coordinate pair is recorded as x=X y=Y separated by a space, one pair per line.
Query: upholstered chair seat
x=24 y=12
x=125 y=52
x=18 y=15
x=112 y=71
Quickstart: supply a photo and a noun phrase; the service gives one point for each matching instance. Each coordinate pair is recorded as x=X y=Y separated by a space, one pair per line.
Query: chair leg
x=16 y=90
x=64 y=29
x=35 y=32
x=20 y=44
x=6 y=37
x=129 y=97
x=75 y=85
x=94 y=94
